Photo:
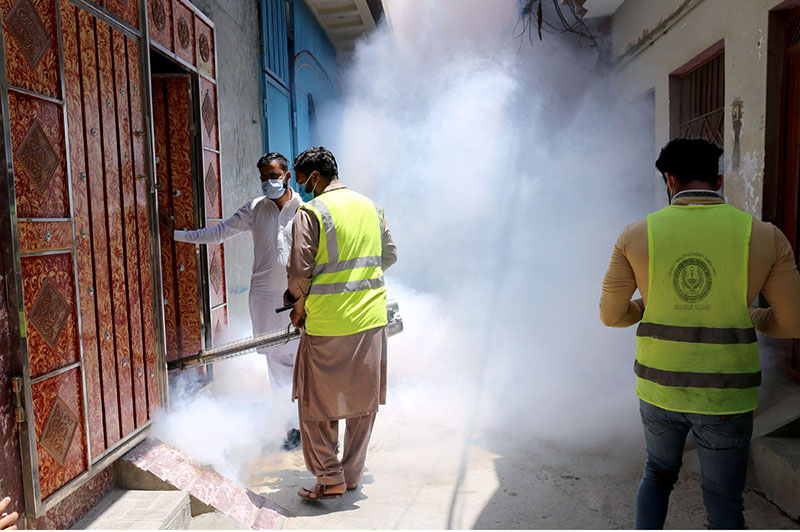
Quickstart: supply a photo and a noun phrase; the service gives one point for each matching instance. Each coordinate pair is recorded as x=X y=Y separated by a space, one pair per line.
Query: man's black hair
x=273 y=156
x=317 y=158
x=690 y=160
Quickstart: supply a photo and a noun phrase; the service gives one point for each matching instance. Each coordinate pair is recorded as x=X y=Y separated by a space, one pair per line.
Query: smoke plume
x=506 y=170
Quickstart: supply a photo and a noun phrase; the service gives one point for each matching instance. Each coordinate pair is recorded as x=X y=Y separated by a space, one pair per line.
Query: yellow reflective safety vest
x=696 y=347
x=347 y=293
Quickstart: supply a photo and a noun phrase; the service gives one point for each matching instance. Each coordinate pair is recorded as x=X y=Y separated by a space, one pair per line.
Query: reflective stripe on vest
x=347 y=293
x=347 y=286
x=360 y=262
x=697 y=380
x=329 y=229
x=697 y=349
x=701 y=335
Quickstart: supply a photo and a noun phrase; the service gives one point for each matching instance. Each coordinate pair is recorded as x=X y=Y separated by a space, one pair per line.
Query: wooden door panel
x=37 y=236
x=208 y=114
x=211 y=184
x=180 y=150
x=217 y=290
x=126 y=10
x=135 y=369
x=116 y=250
x=143 y=235
x=37 y=140
x=216 y=275
x=205 y=47
x=83 y=246
x=61 y=447
x=183 y=32
x=31 y=45
x=98 y=230
x=165 y=209
x=159 y=13
x=49 y=294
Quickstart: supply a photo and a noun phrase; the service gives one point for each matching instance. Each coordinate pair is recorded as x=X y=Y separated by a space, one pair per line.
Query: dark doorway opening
x=782 y=164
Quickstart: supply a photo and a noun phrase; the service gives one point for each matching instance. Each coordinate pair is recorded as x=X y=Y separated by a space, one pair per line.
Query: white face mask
x=273 y=188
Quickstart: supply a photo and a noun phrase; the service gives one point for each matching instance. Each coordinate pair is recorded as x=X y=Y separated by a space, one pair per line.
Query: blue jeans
x=723 y=444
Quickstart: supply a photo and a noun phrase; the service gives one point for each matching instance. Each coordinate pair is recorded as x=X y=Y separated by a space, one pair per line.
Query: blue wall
x=295 y=79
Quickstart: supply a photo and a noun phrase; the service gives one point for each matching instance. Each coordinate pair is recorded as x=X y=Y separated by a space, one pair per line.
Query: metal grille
x=702 y=101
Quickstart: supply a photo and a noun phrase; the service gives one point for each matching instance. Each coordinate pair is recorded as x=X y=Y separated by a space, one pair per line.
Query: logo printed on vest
x=692 y=277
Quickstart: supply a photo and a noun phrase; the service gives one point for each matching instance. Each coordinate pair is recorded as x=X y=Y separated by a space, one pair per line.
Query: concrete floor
x=415 y=481
x=425 y=472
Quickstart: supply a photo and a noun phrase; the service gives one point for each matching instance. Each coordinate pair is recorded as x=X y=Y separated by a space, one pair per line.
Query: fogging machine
x=270 y=339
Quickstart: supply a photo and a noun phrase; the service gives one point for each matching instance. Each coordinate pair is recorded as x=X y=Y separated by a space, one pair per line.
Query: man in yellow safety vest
x=699 y=264
x=341 y=246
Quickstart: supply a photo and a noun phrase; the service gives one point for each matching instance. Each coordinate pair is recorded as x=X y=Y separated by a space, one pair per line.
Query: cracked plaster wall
x=743 y=25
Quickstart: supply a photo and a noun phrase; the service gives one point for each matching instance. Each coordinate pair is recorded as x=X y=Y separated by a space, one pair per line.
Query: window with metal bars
x=701 y=112
x=793 y=33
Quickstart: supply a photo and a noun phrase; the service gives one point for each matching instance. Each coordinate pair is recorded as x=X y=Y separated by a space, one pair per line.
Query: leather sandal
x=352 y=486
x=319 y=492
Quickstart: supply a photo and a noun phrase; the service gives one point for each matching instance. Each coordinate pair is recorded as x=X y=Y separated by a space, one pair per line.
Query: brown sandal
x=318 y=493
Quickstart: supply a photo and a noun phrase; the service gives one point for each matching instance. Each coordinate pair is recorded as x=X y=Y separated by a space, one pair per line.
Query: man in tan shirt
x=690 y=171
x=772 y=271
x=335 y=377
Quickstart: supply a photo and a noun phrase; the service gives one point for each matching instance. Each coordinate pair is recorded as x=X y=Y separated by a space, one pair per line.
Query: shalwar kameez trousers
x=357 y=385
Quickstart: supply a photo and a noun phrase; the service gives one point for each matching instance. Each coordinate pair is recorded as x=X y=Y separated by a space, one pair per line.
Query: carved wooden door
x=192 y=276
x=80 y=249
x=173 y=126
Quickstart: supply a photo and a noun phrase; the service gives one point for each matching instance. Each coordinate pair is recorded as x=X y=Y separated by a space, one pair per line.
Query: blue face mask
x=273 y=188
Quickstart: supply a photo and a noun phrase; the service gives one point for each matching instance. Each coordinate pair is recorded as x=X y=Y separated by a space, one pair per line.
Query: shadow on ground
x=282 y=485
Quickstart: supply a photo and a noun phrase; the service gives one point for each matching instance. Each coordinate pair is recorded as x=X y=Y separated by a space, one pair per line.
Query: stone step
x=138 y=510
x=776 y=468
x=783 y=414
x=154 y=465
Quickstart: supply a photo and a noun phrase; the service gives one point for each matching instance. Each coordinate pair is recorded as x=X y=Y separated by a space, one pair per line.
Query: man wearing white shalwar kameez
x=269 y=219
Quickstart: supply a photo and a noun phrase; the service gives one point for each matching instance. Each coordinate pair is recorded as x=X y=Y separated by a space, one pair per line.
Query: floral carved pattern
x=209 y=116
x=215 y=271
x=49 y=313
x=212 y=187
x=205 y=48
x=38 y=156
x=59 y=430
x=159 y=15
x=27 y=26
x=183 y=33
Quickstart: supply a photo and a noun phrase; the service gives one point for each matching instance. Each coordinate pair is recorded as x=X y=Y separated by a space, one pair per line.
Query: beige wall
x=743 y=25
